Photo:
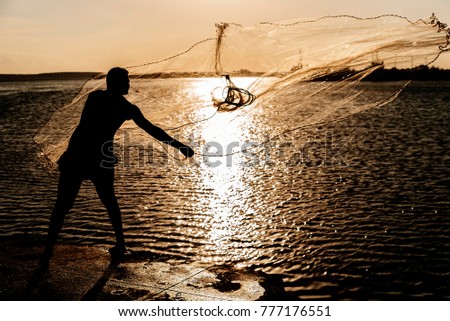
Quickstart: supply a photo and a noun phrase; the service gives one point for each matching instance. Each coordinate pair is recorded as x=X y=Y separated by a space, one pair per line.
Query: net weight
x=295 y=310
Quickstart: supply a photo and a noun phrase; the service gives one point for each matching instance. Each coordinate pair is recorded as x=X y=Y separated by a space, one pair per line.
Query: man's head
x=117 y=81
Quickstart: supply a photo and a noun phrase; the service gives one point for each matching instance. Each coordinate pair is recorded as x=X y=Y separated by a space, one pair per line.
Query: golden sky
x=94 y=35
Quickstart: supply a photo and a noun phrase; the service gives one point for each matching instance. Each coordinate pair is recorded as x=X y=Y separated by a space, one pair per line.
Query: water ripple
x=368 y=221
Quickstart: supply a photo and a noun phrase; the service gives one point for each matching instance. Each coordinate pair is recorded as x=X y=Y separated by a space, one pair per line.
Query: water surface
x=355 y=209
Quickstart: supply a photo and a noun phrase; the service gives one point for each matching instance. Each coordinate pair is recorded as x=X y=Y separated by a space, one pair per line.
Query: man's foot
x=117 y=252
x=44 y=261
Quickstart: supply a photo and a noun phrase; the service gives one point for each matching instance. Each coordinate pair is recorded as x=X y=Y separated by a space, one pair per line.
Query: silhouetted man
x=90 y=152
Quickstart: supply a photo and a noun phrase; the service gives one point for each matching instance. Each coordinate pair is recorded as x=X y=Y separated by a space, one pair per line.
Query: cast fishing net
x=311 y=70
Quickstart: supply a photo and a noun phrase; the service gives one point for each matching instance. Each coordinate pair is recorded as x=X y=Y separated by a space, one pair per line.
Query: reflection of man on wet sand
x=90 y=152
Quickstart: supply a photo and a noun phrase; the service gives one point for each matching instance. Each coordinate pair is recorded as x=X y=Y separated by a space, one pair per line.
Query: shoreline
x=48 y=76
x=80 y=273
x=421 y=73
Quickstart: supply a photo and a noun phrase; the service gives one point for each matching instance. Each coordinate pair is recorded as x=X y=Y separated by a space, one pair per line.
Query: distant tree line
x=417 y=73
x=423 y=73
x=48 y=76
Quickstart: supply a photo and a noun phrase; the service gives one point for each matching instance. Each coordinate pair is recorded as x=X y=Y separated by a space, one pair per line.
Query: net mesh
x=313 y=68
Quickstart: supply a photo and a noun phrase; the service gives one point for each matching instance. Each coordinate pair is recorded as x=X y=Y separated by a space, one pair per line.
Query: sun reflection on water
x=227 y=200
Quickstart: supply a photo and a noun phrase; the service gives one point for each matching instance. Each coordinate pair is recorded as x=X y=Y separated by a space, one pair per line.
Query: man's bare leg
x=104 y=184
x=69 y=185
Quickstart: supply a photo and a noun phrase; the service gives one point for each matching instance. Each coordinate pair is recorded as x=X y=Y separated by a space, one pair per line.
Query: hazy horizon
x=83 y=35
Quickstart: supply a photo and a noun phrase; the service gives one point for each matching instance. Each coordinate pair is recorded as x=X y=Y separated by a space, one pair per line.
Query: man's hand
x=187 y=151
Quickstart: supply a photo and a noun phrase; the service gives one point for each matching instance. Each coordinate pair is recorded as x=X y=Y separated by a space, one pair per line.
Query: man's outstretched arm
x=160 y=134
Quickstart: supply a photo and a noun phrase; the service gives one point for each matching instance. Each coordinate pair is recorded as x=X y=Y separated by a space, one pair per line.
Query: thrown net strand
x=311 y=68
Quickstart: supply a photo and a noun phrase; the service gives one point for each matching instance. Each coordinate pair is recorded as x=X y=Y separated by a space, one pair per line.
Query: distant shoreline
x=422 y=73
x=48 y=76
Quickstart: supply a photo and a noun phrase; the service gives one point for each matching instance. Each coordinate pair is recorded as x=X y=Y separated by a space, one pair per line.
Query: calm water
x=356 y=209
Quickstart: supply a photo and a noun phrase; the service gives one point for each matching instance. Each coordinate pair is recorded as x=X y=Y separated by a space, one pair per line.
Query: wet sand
x=87 y=273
